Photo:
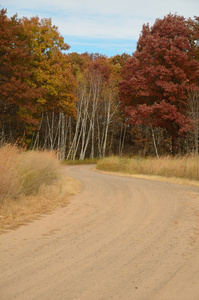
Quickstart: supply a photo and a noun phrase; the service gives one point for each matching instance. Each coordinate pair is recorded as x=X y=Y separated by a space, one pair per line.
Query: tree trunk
x=154 y=142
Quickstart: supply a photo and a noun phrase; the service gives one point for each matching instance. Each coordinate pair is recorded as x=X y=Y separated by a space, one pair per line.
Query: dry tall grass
x=186 y=167
x=35 y=169
x=31 y=183
x=24 y=172
x=9 y=185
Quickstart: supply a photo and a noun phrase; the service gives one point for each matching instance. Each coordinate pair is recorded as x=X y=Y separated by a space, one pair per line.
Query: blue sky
x=108 y=27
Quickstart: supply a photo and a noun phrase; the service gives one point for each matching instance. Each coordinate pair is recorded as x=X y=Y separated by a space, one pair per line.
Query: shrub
x=25 y=172
x=35 y=169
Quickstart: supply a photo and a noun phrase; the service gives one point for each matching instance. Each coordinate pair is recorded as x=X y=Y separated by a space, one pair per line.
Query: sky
x=108 y=27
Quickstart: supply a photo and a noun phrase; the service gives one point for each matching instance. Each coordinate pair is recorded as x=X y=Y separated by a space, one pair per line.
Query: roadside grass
x=185 y=168
x=86 y=161
x=31 y=183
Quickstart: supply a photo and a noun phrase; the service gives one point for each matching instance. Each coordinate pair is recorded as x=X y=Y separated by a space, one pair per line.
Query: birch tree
x=193 y=111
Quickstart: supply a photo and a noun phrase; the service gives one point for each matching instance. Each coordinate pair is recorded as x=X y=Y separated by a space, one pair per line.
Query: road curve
x=120 y=238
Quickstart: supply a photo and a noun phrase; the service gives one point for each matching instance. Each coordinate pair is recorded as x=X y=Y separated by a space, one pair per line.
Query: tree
x=193 y=25
x=193 y=90
x=97 y=93
x=193 y=111
x=52 y=68
x=155 y=80
x=36 y=79
x=17 y=93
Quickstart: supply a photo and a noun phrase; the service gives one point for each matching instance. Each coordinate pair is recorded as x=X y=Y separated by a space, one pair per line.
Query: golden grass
x=86 y=161
x=31 y=184
x=37 y=168
x=16 y=212
x=24 y=172
x=185 y=168
x=9 y=186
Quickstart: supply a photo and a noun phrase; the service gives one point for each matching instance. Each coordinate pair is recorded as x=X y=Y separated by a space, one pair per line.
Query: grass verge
x=31 y=184
x=86 y=161
x=184 y=170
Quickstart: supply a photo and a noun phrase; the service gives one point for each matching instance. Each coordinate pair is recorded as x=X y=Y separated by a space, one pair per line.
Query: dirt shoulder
x=17 y=212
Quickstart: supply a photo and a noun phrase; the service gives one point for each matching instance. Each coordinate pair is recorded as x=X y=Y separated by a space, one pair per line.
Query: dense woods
x=89 y=105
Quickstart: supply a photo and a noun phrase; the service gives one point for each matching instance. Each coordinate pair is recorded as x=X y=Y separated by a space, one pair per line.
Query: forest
x=90 y=105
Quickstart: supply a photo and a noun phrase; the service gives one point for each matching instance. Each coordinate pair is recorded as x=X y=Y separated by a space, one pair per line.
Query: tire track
x=120 y=238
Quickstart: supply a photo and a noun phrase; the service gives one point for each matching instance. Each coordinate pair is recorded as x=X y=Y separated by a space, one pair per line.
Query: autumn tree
x=193 y=89
x=52 y=73
x=97 y=120
x=37 y=82
x=53 y=70
x=153 y=91
x=17 y=92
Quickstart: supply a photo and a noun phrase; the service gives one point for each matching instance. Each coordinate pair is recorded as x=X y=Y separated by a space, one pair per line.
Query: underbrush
x=186 y=167
x=31 y=183
x=86 y=161
x=25 y=172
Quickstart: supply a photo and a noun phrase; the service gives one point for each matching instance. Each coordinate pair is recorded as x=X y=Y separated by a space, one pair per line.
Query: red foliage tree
x=155 y=80
x=17 y=93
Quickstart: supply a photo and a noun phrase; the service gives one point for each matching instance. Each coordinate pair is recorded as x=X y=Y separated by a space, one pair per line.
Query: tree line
x=89 y=105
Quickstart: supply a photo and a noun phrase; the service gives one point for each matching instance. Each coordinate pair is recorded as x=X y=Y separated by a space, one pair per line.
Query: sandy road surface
x=120 y=238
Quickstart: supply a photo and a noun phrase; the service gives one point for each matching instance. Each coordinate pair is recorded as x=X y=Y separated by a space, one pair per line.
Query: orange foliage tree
x=35 y=75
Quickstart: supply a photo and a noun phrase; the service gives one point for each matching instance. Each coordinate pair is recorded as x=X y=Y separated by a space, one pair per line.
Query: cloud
x=100 y=26
x=108 y=7
x=108 y=19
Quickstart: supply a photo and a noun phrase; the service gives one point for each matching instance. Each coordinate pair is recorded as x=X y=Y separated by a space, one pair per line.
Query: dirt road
x=121 y=238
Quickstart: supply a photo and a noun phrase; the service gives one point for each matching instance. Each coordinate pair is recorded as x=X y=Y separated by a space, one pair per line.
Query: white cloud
x=100 y=27
x=106 y=18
